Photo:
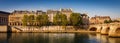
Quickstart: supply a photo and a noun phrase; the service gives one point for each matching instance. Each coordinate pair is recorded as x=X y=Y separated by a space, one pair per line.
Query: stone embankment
x=41 y=29
x=3 y=28
x=56 y=29
x=46 y=29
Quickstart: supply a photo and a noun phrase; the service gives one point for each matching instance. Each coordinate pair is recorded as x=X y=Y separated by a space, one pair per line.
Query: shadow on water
x=9 y=35
x=81 y=38
x=4 y=37
x=9 y=30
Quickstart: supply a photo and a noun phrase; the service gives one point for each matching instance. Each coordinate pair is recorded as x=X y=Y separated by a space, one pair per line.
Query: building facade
x=99 y=19
x=4 y=18
x=51 y=14
x=67 y=12
x=15 y=18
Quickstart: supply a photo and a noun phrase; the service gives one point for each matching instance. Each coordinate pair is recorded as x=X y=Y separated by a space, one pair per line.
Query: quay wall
x=41 y=29
x=3 y=28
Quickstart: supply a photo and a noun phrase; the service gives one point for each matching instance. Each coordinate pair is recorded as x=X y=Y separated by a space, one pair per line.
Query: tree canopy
x=31 y=20
x=25 y=20
x=75 y=19
x=58 y=19
x=107 y=21
x=38 y=20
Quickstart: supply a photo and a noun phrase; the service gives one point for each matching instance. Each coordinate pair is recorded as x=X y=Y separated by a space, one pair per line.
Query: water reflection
x=56 y=38
x=114 y=40
x=93 y=38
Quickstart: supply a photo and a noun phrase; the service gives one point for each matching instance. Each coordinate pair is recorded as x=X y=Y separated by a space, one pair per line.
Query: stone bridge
x=112 y=29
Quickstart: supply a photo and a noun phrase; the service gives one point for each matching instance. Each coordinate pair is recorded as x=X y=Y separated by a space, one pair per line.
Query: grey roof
x=2 y=12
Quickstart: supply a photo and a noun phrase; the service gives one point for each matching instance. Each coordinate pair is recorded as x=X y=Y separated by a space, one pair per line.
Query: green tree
x=31 y=20
x=116 y=21
x=60 y=19
x=25 y=20
x=42 y=20
x=56 y=19
x=38 y=20
x=63 y=18
x=75 y=19
x=45 y=19
x=107 y=21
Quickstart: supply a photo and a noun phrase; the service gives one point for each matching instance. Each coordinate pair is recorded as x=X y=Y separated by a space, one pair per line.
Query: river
x=56 y=38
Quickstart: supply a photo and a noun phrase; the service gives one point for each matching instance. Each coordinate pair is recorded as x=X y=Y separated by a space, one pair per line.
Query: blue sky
x=91 y=7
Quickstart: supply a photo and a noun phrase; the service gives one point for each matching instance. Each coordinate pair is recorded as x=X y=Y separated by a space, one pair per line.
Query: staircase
x=18 y=29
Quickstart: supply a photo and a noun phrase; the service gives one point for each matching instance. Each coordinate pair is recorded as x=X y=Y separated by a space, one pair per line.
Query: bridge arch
x=114 y=31
x=105 y=30
x=93 y=29
x=117 y=30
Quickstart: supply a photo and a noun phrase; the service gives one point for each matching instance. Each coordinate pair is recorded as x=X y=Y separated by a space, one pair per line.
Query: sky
x=91 y=7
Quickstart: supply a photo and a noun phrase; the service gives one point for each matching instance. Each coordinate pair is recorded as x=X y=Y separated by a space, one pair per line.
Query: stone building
x=51 y=14
x=40 y=12
x=4 y=18
x=99 y=19
x=67 y=12
x=15 y=18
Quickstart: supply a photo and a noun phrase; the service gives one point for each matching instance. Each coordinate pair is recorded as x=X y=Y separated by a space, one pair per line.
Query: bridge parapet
x=112 y=29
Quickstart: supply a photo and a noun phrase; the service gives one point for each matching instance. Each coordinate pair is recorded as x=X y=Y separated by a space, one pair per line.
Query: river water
x=56 y=38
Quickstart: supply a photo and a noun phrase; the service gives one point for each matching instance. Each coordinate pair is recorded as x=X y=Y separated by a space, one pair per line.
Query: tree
x=107 y=21
x=56 y=19
x=45 y=19
x=60 y=19
x=75 y=19
x=116 y=21
x=38 y=20
x=42 y=20
x=63 y=18
x=31 y=20
x=64 y=21
x=25 y=20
